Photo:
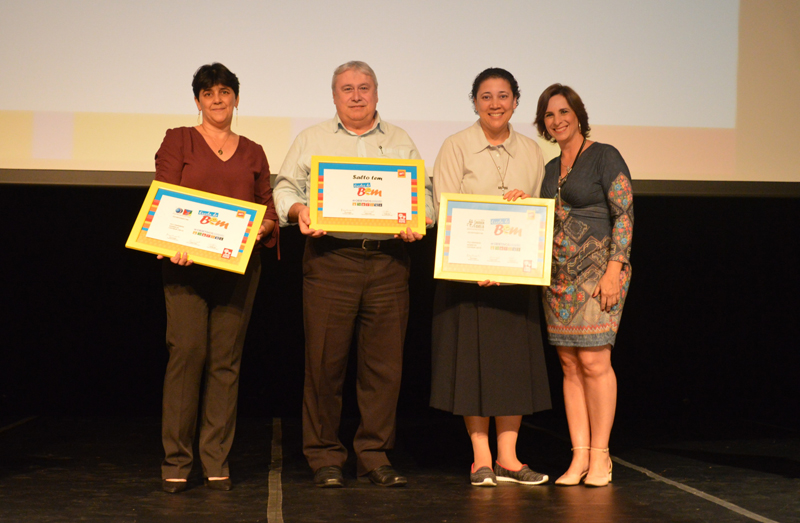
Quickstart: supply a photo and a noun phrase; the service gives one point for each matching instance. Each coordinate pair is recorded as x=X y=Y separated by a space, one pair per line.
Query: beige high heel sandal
x=610 y=469
x=561 y=483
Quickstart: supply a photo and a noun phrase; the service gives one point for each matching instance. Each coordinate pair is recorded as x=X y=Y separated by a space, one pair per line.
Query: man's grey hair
x=355 y=65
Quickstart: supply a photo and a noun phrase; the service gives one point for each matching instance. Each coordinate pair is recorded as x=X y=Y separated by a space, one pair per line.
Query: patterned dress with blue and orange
x=593 y=225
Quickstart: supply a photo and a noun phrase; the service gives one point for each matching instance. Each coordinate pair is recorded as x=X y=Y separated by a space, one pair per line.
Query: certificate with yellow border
x=488 y=238
x=367 y=195
x=214 y=230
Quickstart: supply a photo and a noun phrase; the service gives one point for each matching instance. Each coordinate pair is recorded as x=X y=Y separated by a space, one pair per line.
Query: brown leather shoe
x=329 y=477
x=173 y=487
x=219 y=484
x=386 y=476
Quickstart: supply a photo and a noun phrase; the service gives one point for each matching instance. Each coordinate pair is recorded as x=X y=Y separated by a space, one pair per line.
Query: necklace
x=569 y=169
x=563 y=179
x=219 y=149
x=501 y=174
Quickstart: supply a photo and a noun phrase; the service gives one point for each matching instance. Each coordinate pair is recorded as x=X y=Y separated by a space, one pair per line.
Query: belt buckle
x=364 y=244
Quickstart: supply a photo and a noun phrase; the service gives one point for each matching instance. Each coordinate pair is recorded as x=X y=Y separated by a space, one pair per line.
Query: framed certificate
x=214 y=230
x=368 y=195
x=488 y=238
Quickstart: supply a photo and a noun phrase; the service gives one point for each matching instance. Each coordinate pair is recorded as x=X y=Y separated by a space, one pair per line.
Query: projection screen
x=687 y=90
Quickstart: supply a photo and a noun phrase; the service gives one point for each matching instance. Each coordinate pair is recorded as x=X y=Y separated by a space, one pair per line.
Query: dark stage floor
x=107 y=469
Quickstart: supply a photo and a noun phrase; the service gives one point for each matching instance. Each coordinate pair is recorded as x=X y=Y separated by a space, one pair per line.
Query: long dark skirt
x=488 y=358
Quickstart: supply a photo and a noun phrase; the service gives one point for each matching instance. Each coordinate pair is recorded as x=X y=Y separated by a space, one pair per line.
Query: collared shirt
x=468 y=164
x=331 y=138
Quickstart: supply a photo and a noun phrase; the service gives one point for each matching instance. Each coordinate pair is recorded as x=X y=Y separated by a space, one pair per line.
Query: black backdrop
x=710 y=327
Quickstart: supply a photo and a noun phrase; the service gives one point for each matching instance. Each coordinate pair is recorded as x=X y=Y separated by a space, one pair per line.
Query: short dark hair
x=209 y=75
x=575 y=103
x=494 y=72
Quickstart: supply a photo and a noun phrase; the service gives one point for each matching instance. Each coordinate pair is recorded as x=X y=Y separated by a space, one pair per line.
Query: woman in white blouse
x=488 y=359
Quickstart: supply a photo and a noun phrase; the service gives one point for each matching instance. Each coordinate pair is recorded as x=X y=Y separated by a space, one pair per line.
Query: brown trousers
x=207 y=315
x=346 y=292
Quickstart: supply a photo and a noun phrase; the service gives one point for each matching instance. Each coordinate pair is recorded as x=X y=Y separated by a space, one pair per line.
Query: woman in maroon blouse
x=208 y=309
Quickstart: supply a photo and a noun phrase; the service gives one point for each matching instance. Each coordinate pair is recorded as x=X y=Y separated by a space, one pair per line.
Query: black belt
x=330 y=242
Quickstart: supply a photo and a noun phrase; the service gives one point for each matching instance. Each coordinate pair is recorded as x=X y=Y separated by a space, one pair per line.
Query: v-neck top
x=185 y=159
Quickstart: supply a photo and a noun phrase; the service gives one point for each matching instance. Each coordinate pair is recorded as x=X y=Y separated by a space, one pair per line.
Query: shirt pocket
x=402 y=152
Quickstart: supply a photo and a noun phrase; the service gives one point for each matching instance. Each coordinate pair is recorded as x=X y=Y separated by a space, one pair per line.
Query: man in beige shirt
x=352 y=283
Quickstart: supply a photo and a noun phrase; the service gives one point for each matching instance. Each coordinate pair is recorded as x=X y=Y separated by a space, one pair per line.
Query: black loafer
x=386 y=476
x=329 y=477
x=173 y=487
x=219 y=484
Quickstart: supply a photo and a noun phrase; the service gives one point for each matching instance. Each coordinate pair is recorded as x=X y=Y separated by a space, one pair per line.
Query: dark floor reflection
x=100 y=470
x=587 y=505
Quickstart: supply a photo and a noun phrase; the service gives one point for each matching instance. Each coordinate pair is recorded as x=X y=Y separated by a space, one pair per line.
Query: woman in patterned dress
x=591 y=273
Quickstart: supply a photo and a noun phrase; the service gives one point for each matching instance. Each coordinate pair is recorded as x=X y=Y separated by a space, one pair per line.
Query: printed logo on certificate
x=488 y=238
x=368 y=195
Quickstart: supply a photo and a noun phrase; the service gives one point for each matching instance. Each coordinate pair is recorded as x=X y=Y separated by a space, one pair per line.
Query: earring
x=237 y=117
x=199 y=121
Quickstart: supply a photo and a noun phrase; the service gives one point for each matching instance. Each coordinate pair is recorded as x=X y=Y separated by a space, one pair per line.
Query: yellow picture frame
x=472 y=212
x=356 y=174
x=205 y=205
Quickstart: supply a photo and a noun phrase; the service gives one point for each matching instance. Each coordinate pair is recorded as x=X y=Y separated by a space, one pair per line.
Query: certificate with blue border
x=488 y=238
x=214 y=230
x=367 y=195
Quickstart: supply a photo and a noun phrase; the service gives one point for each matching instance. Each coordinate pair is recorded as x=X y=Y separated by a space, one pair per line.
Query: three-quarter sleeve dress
x=593 y=225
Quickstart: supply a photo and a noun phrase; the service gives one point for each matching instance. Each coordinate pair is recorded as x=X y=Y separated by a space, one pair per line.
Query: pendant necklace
x=501 y=174
x=219 y=149
x=563 y=179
